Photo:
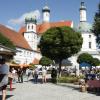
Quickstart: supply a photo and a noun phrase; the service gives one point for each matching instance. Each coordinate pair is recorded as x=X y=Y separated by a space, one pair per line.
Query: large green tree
x=6 y=42
x=59 y=43
x=44 y=61
x=96 y=24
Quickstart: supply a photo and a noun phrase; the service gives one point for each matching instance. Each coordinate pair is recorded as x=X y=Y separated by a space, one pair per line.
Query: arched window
x=32 y=26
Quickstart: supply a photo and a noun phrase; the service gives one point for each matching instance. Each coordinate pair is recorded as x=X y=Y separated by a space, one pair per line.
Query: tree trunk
x=59 y=72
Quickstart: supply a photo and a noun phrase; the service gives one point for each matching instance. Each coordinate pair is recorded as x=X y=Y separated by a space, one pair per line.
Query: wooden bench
x=93 y=84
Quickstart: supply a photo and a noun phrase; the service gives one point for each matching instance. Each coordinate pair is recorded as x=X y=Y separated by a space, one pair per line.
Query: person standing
x=14 y=74
x=54 y=75
x=28 y=73
x=20 y=75
x=44 y=72
x=4 y=71
x=36 y=72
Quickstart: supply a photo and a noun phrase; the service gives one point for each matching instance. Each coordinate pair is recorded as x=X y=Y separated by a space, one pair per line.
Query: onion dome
x=30 y=20
x=46 y=8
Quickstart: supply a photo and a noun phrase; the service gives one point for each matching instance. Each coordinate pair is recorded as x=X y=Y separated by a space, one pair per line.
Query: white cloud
x=21 y=20
x=10 y=27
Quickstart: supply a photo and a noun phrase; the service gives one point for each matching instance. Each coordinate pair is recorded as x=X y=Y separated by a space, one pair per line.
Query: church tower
x=89 y=39
x=30 y=34
x=46 y=14
x=82 y=12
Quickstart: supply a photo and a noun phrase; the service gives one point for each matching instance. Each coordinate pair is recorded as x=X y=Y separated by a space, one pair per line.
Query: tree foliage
x=84 y=57
x=44 y=61
x=87 y=58
x=6 y=42
x=96 y=24
x=95 y=62
x=59 y=43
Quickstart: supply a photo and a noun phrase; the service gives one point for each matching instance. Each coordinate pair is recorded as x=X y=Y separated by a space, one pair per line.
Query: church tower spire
x=46 y=13
x=30 y=34
x=83 y=17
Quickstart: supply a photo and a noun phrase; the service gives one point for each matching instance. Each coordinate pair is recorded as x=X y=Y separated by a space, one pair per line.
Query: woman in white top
x=14 y=74
x=44 y=72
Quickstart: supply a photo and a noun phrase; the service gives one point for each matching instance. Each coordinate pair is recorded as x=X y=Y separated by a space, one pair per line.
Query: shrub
x=68 y=79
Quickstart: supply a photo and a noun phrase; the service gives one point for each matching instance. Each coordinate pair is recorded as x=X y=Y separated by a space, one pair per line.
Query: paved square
x=48 y=91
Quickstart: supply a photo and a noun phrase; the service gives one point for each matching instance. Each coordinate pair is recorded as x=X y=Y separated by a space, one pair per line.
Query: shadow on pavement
x=94 y=91
x=7 y=96
x=40 y=80
x=74 y=87
x=8 y=89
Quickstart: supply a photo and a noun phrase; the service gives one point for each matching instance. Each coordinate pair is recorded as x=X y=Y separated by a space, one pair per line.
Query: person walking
x=4 y=71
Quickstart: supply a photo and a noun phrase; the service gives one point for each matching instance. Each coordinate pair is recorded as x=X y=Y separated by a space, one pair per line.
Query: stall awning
x=84 y=64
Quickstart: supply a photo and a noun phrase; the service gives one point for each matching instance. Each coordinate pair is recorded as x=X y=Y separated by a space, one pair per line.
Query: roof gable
x=17 y=39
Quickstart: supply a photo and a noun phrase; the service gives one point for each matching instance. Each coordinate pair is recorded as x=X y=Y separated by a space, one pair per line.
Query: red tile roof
x=41 y=28
x=17 y=39
x=35 y=61
x=22 y=30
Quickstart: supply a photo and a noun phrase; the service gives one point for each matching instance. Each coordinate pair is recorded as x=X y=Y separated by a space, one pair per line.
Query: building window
x=27 y=53
x=89 y=36
x=34 y=36
x=32 y=26
x=28 y=26
x=89 y=44
x=28 y=37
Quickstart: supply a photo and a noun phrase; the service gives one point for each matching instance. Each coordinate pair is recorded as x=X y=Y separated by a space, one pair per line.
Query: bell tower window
x=90 y=45
x=89 y=36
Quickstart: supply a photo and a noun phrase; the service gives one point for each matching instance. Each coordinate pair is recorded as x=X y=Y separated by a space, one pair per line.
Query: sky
x=13 y=12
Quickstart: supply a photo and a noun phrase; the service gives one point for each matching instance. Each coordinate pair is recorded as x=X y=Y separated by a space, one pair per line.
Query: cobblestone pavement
x=48 y=91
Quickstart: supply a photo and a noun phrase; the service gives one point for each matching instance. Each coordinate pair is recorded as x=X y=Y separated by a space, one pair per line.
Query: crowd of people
x=19 y=75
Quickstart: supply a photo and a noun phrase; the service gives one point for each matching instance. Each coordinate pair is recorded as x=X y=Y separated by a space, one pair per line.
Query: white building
x=89 y=39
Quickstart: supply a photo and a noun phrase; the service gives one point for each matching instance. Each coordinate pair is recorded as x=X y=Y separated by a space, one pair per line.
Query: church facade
x=89 y=39
x=32 y=31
